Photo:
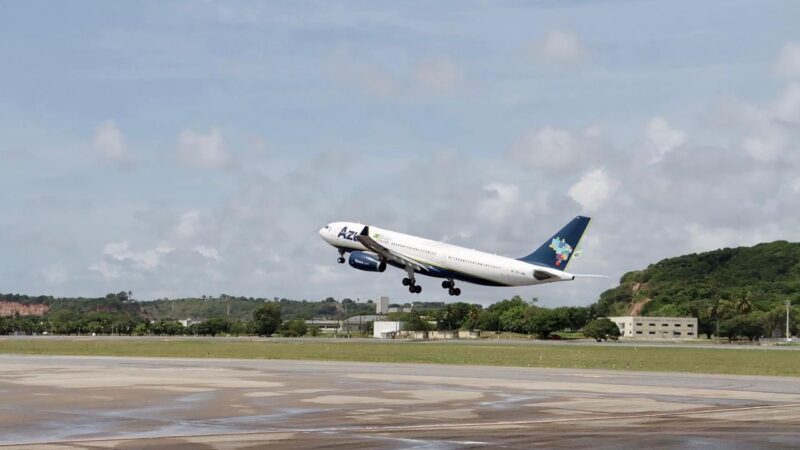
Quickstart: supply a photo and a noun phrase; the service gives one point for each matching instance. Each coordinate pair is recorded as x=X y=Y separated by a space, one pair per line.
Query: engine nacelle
x=366 y=261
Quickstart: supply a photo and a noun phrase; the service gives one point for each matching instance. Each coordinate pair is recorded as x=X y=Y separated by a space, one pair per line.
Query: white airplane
x=372 y=249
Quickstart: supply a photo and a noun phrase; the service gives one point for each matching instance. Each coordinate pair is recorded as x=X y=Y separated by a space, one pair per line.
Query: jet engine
x=366 y=261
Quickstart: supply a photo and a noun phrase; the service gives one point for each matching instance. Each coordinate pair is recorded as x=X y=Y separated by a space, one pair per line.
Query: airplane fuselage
x=443 y=260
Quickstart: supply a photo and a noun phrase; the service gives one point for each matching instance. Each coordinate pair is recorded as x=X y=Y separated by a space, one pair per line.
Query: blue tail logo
x=558 y=251
x=562 y=250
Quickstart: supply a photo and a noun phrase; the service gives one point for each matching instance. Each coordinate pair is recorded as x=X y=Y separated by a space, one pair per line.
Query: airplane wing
x=387 y=254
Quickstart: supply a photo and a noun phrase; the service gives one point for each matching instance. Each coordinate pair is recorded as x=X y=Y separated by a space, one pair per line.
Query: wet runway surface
x=107 y=402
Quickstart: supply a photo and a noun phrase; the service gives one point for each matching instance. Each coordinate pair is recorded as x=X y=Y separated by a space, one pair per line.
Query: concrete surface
x=697 y=343
x=107 y=402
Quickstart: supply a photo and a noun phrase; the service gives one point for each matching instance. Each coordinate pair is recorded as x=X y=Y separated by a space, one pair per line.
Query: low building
x=469 y=334
x=324 y=325
x=636 y=327
x=443 y=334
x=357 y=323
x=188 y=322
x=383 y=329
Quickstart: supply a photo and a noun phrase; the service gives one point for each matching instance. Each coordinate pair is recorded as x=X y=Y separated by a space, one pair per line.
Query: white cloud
x=786 y=107
x=767 y=145
x=106 y=270
x=109 y=144
x=203 y=151
x=208 y=252
x=188 y=224
x=146 y=259
x=661 y=138
x=765 y=132
x=546 y=147
x=592 y=190
x=439 y=74
x=560 y=48
x=788 y=64
x=499 y=202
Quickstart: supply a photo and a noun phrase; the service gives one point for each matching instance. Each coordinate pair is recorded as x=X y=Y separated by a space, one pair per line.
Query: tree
x=416 y=323
x=744 y=302
x=542 y=322
x=452 y=316
x=513 y=318
x=294 y=328
x=714 y=308
x=488 y=320
x=238 y=328
x=215 y=326
x=140 y=329
x=601 y=330
x=267 y=319
x=749 y=326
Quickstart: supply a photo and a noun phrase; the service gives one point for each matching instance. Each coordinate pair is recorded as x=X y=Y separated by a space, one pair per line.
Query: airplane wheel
x=451 y=291
x=340 y=260
x=406 y=282
x=417 y=289
x=411 y=289
x=457 y=292
x=445 y=284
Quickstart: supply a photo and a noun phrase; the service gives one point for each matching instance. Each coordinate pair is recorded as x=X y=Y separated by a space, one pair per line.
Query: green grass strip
x=610 y=357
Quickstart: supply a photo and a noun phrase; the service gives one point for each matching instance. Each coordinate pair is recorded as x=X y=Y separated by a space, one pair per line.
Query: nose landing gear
x=341 y=257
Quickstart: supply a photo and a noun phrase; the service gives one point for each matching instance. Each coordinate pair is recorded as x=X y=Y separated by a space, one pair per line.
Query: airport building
x=387 y=329
x=382 y=305
x=636 y=327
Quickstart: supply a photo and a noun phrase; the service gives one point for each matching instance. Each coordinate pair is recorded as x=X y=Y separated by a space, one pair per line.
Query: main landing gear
x=413 y=287
x=450 y=285
x=341 y=257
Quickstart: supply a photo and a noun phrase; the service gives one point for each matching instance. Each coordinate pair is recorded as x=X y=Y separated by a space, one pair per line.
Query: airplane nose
x=322 y=231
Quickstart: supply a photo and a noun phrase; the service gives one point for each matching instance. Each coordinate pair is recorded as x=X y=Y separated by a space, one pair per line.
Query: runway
x=110 y=402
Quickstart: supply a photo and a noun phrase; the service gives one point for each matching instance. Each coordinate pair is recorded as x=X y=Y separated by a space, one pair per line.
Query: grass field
x=661 y=359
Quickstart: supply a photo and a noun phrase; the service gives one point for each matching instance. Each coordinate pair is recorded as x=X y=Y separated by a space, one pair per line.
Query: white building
x=636 y=327
x=385 y=329
x=189 y=322
x=382 y=305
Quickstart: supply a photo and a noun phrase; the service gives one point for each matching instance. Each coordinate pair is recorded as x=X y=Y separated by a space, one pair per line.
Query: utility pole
x=788 y=304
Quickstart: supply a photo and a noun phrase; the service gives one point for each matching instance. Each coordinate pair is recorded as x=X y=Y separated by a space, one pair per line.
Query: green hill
x=745 y=281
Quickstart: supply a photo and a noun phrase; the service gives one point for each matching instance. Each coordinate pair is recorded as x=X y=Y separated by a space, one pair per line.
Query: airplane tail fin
x=557 y=252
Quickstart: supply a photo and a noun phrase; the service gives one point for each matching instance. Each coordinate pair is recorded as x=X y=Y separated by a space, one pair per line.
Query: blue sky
x=189 y=148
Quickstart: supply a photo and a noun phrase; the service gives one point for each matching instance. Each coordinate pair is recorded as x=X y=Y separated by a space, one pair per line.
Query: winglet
x=365 y=231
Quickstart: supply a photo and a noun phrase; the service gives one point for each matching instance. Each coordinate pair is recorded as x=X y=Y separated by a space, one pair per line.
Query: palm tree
x=744 y=302
x=714 y=307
